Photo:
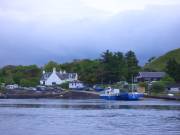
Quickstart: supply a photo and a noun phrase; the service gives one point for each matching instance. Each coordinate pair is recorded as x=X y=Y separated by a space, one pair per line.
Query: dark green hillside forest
x=159 y=64
x=111 y=67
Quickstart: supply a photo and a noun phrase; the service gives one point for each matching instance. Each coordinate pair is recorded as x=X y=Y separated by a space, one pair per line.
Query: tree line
x=111 y=67
x=22 y=75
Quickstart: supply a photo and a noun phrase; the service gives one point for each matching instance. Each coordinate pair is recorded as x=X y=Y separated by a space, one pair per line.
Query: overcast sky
x=36 y=31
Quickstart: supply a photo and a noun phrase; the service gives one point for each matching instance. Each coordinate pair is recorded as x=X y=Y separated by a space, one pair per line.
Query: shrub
x=167 y=80
x=28 y=82
x=65 y=85
x=157 y=87
x=143 y=84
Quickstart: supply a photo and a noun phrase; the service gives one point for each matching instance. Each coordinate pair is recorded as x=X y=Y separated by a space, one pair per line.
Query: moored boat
x=110 y=94
x=133 y=96
x=116 y=94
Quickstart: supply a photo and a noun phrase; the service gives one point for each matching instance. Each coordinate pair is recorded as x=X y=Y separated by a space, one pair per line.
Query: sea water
x=89 y=117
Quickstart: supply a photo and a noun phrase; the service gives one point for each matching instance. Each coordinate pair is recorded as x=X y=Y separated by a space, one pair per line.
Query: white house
x=175 y=88
x=57 y=78
x=78 y=85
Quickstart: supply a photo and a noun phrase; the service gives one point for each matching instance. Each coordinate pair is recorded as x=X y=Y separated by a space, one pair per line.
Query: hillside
x=159 y=64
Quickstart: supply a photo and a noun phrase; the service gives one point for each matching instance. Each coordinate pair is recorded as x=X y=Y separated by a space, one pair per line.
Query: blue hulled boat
x=133 y=96
x=115 y=94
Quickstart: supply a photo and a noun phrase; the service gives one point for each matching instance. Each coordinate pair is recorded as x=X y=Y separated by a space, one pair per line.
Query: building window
x=53 y=83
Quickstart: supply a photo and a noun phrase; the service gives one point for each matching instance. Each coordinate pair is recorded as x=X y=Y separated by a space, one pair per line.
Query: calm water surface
x=89 y=117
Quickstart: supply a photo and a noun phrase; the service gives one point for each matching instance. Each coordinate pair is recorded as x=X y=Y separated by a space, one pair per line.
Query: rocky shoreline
x=64 y=94
x=69 y=94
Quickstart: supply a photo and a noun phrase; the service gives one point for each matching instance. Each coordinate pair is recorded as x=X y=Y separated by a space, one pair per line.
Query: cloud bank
x=36 y=31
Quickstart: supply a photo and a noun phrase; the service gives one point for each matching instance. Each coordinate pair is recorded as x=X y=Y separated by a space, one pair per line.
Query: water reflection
x=87 y=117
x=93 y=106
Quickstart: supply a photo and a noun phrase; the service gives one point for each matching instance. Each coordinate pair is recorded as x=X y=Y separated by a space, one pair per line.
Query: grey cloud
x=151 y=32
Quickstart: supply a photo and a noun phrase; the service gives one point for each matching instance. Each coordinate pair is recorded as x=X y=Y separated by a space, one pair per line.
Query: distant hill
x=159 y=64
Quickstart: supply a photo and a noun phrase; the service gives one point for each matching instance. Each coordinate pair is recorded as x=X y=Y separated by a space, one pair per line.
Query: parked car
x=98 y=87
x=41 y=88
x=11 y=87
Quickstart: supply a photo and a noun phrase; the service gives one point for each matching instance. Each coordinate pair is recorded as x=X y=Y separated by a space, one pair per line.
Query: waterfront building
x=149 y=76
x=57 y=78
x=174 y=88
x=76 y=85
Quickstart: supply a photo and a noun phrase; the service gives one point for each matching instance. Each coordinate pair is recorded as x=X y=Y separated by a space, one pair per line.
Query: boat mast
x=132 y=85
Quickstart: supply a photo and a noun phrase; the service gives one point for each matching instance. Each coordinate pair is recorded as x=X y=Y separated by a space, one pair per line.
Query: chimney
x=44 y=72
x=76 y=77
x=54 y=70
x=60 y=72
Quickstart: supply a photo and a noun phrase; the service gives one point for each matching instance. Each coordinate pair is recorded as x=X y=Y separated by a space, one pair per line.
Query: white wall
x=175 y=90
x=53 y=78
x=76 y=85
x=72 y=79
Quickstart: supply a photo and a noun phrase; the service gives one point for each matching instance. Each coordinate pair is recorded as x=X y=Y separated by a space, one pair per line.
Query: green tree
x=121 y=67
x=65 y=85
x=14 y=74
x=106 y=62
x=50 y=65
x=143 y=84
x=158 y=87
x=132 y=64
x=89 y=71
x=8 y=80
x=113 y=67
x=151 y=59
x=167 y=80
x=173 y=69
x=28 y=82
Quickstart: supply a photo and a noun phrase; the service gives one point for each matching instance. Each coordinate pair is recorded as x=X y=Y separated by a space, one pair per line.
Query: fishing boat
x=110 y=94
x=116 y=94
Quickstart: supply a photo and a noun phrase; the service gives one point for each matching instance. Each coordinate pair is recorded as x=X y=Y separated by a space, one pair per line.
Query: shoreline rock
x=70 y=94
